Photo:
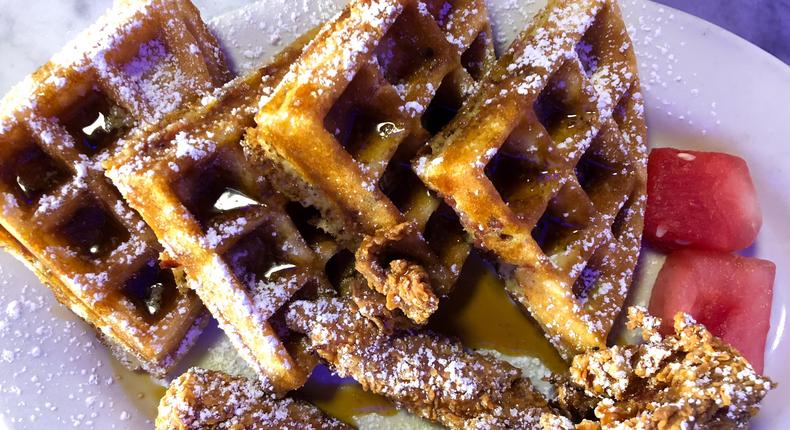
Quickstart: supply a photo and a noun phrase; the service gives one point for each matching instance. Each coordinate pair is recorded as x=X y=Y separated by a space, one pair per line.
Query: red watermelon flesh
x=701 y=200
x=731 y=295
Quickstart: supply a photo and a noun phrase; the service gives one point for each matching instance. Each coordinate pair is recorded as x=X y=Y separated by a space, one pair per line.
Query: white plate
x=704 y=88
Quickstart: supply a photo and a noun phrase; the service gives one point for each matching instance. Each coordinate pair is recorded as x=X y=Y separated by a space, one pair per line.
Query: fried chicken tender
x=431 y=376
x=398 y=263
x=407 y=287
x=691 y=379
x=373 y=306
x=204 y=399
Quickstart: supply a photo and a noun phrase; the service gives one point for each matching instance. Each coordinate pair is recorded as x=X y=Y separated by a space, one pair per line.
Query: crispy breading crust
x=431 y=376
x=205 y=400
x=396 y=263
x=690 y=379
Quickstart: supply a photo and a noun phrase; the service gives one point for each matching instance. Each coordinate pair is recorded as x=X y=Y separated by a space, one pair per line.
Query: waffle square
x=176 y=178
x=140 y=62
x=342 y=126
x=545 y=166
x=220 y=220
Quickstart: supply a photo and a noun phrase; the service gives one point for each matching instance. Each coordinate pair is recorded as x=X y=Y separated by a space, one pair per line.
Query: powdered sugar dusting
x=153 y=74
x=48 y=354
x=187 y=146
x=202 y=399
x=431 y=376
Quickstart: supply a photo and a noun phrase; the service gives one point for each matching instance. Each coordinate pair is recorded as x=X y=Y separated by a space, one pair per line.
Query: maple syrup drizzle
x=97 y=126
x=93 y=231
x=388 y=129
x=32 y=173
x=34 y=185
x=153 y=303
x=152 y=289
x=481 y=314
x=342 y=398
x=232 y=199
x=276 y=270
x=144 y=393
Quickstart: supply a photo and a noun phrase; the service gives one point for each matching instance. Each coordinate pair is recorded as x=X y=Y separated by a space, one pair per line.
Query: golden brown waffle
x=219 y=219
x=176 y=177
x=140 y=62
x=545 y=166
x=367 y=94
x=431 y=376
x=203 y=400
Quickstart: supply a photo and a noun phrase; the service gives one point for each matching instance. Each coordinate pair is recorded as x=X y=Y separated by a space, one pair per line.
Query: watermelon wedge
x=701 y=200
x=731 y=295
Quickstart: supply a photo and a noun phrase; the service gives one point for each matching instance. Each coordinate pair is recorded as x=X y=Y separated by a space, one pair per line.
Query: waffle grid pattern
x=176 y=178
x=219 y=219
x=413 y=64
x=546 y=168
x=101 y=259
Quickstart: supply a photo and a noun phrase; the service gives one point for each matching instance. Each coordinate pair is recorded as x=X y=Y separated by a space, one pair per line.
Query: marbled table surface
x=32 y=30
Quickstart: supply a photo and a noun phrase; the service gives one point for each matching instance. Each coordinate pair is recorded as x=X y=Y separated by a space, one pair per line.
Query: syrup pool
x=478 y=312
x=481 y=314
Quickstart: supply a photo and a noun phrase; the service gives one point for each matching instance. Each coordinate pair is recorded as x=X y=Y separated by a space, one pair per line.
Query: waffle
x=61 y=216
x=545 y=166
x=204 y=399
x=220 y=220
x=175 y=177
x=431 y=376
x=340 y=130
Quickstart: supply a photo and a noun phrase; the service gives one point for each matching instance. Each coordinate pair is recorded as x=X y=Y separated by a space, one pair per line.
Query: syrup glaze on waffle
x=545 y=166
x=140 y=62
x=203 y=399
x=340 y=130
x=219 y=219
x=431 y=376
